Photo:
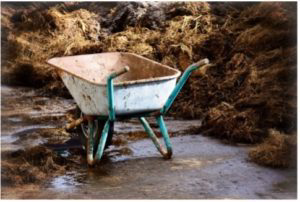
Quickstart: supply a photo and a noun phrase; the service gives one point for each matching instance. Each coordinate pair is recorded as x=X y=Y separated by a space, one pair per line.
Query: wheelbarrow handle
x=200 y=63
x=181 y=83
x=120 y=72
x=110 y=91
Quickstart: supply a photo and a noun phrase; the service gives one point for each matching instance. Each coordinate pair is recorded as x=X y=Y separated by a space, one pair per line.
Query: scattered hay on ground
x=30 y=166
x=278 y=150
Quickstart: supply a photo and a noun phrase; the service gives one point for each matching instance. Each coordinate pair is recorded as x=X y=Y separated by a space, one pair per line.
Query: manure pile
x=249 y=91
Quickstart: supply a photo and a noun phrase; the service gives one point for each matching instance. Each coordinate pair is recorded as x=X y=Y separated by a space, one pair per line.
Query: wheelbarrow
x=113 y=86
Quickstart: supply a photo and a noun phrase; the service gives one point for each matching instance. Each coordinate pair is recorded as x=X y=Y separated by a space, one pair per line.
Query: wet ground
x=132 y=168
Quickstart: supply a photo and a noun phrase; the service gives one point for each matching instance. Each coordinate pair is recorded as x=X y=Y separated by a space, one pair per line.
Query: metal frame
x=166 y=152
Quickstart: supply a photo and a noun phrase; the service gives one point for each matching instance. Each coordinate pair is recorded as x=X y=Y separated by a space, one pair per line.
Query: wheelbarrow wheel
x=98 y=127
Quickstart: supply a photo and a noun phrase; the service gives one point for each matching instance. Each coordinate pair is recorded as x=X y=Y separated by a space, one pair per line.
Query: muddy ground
x=201 y=168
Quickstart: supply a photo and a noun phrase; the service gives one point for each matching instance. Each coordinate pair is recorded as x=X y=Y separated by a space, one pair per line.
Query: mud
x=29 y=118
x=205 y=169
x=55 y=166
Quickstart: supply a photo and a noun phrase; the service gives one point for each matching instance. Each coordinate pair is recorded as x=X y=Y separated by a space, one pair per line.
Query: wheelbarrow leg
x=90 y=143
x=90 y=149
x=102 y=142
x=164 y=131
x=166 y=153
x=111 y=117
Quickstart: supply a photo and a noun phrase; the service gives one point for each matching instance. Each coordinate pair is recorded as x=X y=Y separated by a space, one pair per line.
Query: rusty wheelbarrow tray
x=110 y=86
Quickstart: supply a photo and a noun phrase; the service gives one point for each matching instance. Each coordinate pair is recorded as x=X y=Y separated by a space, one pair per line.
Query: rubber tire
x=101 y=124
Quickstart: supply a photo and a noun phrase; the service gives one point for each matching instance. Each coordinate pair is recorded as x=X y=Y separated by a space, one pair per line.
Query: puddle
x=25 y=114
x=64 y=153
x=15 y=119
x=69 y=182
x=25 y=130
x=23 y=138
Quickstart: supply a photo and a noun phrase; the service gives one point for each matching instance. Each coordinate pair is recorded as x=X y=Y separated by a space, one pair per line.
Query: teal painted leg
x=111 y=117
x=164 y=131
x=91 y=159
x=166 y=153
x=103 y=139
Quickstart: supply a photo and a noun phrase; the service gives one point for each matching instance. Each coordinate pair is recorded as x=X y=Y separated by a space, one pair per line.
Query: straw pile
x=35 y=36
